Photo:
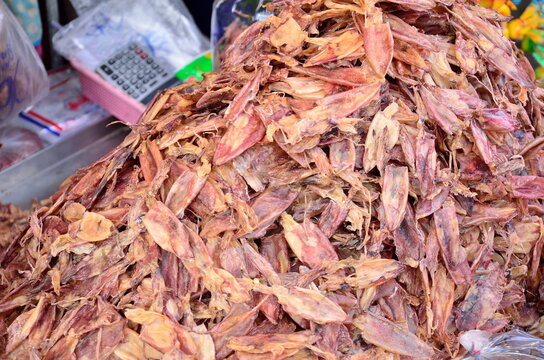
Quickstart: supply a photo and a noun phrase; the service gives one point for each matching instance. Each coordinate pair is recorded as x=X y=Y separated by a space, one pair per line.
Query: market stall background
x=70 y=108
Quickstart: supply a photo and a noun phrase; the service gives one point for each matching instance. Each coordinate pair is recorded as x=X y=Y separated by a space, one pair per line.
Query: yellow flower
x=526 y=25
x=516 y=29
x=502 y=8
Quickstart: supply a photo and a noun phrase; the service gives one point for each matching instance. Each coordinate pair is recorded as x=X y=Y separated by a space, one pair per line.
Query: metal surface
x=39 y=176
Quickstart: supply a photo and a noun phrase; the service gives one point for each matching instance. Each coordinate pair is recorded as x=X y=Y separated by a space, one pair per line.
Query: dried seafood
x=360 y=181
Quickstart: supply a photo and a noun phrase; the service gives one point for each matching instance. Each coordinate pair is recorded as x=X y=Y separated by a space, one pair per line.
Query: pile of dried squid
x=361 y=180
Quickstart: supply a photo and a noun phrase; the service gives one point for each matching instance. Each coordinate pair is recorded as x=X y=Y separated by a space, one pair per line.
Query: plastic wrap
x=64 y=110
x=16 y=144
x=23 y=80
x=164 y=27
x=83 y=6
x=514 y=344
x=229 y=19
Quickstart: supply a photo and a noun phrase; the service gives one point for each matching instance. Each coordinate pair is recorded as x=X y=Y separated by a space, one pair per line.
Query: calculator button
x=114 y=77
x=133 y=81
x=117 y=57
x=140 y=76
x=149 y=60
x=145 y=80
x=164 y=75
x=120 y=81
x=137 y=86
x=116 y=66
x=106 y=69
x=131 y=56
x=153 y=83
x=142 y=90
x=130 y=91
x=154 y=66
x=159 y=70
x=152 y=75
x=143 y=56
x=111 y=61
x=122 y=70
x=125 y=87
x=147 y=71
x=138 y=51
x=132 y=46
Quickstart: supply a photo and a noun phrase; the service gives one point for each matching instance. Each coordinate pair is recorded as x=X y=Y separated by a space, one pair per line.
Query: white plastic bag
x=514 y=344
x=82 y=6
x=164 y=27
x=23 y=80
x=64 y=110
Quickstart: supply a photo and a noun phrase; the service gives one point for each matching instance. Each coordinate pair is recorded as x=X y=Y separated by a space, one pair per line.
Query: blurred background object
x=526 y=27
x=229 y=18
x=23 y=80
x=28 y=14
x=17 y=144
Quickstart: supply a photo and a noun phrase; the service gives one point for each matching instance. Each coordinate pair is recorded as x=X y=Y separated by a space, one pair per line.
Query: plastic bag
x=16 y=144
x=164 y=27
x=82 y=6
x=229 y=19
x=64 y=110
x=23 y=80
x=514 y=344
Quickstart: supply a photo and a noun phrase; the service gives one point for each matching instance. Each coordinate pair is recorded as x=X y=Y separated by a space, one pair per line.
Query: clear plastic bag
x=164 y=27
x=64 y=110
x=229 y=19
x=16 y=144
x=514 y=344
x=82 y=6
x=23 y=80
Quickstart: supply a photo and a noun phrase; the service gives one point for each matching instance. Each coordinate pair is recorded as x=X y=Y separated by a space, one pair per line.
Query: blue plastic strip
x=28 y=118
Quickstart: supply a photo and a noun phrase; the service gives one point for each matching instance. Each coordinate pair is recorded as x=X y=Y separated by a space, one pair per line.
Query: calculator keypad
x=134 y=71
